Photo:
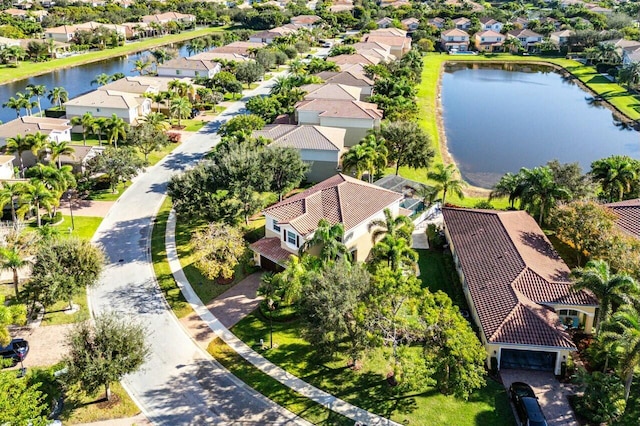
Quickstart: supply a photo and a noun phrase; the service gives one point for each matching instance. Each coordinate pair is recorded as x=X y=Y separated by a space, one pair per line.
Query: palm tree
x=18 y=144
x=161 y=55
x=629 y=75
x=101 y=79
x=616 y=175
x=622 y=335
x=611 y=290
x=428 y=193
x=397 y=227
x=507 y=186
x=294 y=277
x=98 y=128
x=297 y=67
x=10 y=194
x=140 y=66
x=330 y=238
x=358 y=159
x=116 y=129
x=37 y=196
x=58 y=149
x=158 y=98
x=14 y=103
x=446 y=178
x=607 y=53
x=180 y=108
x=156 y=120
x=37 y=90
x=57 y=181
x=58 y=95
x=36 y=143
x=269 y=290
x=196 y=45
x=539 y=190
x=11 y=260
x=25 y=100
x=116 y=76
x=86 y=120
x=282 y=85
x=380 y=154
x=14 y=52
x=396 y=251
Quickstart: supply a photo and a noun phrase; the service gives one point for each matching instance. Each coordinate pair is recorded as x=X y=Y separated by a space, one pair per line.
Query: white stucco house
x=56 y=129
x=104 y=103
x=188 y=67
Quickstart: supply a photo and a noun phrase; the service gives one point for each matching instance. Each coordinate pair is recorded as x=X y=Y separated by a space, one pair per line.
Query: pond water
x=76 y=80
x=501 y=117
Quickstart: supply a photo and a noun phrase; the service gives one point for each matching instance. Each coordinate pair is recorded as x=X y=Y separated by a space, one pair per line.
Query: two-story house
x=395 y=38
x=356 y=117
x=437 y=22
x=104 y=103
x=410 y=24
x=561 y=38
x=188 y=67
x=487 y=24
x=489 y=41
x=454 y=40
x=517 y=287
x=528 y=39
x=339 y=199
x=462 y=23
x=352 y=76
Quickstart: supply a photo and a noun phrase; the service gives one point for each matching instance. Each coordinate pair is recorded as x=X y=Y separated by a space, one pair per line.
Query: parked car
x=526 y=403
x=16 y=350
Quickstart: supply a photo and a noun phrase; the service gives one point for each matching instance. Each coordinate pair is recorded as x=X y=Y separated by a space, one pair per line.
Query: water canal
x=501 y=117
x=76 y=80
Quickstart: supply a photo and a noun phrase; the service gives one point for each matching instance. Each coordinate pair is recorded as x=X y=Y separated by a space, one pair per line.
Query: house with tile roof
x=395 y=38
x=561 y=38
x=320 y=147
x=164 y=18
x=517 y=287
x=268 y=36
x=356 y=117
x=307 y=21
x=351 y=76
x=385 y=22
x=628 y=213
x=410 y=24
x=355 y=59
x=528 y=39
x=339 y=199
x=489 y=41
x=331 y=91
x=188 y=67
x=437 y=22
x=454 y=40
x=56 y=129
x=487 y=24
x=462 y=23
x=104 y=103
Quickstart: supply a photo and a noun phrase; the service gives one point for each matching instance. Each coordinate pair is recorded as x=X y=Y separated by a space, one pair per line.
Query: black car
x=526 y=403
x=16 y=350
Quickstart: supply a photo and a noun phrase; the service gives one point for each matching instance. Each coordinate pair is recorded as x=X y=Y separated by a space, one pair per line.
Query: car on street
x=16 y=350
x=526 y=403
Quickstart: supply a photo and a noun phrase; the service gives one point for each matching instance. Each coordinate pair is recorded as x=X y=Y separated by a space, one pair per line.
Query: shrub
x=174 y=137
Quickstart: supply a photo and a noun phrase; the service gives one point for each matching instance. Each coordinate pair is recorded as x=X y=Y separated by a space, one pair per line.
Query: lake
x=501 y=117
x=76 y=80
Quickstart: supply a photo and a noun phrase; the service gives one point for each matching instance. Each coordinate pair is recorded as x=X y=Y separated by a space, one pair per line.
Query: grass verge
x=82 y=408
x=56 y=314
x=83 y=226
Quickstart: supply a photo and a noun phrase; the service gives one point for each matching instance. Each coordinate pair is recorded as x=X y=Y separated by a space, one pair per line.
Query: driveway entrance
x=552 y=395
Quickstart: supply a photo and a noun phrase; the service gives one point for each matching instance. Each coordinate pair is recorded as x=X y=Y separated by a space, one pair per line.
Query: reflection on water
x=501 y=117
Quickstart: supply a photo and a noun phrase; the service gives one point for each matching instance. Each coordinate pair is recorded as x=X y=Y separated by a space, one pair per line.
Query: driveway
x=552 y=395
x=47 y=344
x=179 y=384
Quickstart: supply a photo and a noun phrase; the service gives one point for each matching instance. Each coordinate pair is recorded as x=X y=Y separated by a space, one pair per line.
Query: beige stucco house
x=332 y=91
x=454 y=40
x=352 y=76
x=356 y=117
x=105 y=103
x=320 y=147
x=489 y=41
x=188 y=67
x=395 y=38
x=339 y=199
x=518 y=288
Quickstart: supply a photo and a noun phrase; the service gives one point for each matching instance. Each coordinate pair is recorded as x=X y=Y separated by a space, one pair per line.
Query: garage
x=269 y=265
x=528 y=360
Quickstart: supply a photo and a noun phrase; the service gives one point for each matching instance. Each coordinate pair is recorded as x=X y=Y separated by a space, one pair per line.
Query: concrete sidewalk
x=305 y=389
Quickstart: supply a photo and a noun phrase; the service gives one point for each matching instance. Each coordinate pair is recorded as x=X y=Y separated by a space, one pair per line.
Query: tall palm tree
x=428 y=193
x=101 y=79
x=14 y=103
x=25 y=100
x=58 y=95
x=539 y=190
x=58 y=149
x=446 y=177
x=196 y=46
x=329 y=238
x=180 y=108
x=281 y=85
x=16 y=53
x=622 y=335
x=18 y=144
x=37 y=90
x=158 y=98
x=155 y=119
x=37 y=196
x=10 y=194
x=98 y=128
x=12 y=260
x=116 y=129
x=616 y=175
x=629 y=75
x=358 y=159
x=397 y=227
x=507 y=186
x=396 y=251
x=85 y=120
x=161 y=55
x=37 y=143
x=611 y=290
x=380 y=154
x=140 y=66
x=607 y=53
x=294 y=277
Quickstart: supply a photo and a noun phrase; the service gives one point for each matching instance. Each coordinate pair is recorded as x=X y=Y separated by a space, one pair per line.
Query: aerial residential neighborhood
x=345 y=212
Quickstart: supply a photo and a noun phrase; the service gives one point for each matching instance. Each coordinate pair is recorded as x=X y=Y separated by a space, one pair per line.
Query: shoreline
x=102 y=55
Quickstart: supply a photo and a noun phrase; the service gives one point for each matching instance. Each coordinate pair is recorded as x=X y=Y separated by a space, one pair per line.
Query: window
x=568 y=312
x=197 y=73
x=177 y=72
x=291 y=239
x=450 y=38
x=275 y=226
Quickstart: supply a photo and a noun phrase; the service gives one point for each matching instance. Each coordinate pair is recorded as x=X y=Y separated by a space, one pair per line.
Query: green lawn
x=108 y=194
x=82 y=408
x=428 y=103
x=367 y=388
x=438 y=272
x=28 y=69
x=56 y=313
x=192 y=125
x=84 y=226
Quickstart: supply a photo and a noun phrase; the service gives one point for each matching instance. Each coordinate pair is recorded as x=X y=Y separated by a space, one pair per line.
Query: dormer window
x=292 y=239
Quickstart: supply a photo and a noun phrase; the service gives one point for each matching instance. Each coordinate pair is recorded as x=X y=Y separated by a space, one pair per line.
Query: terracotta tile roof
x=512 y=271
x=331 y=91
x=305 y=19
x=489 y=33
x=349 y=77
x=387 y=32
x=340 y=108
x=339 y=199
x=357 y=58
x=455 y=32
x=271 y=249
x=628 y=215
x=304 y=136
x=214 y=54
x=523 y=33
x=391 y=40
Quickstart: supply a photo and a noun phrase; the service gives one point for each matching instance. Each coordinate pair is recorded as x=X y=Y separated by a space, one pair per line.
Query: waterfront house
x=561 y=38
x=320 y=147
x=630 y=55
x=462 y=23
x=528 y=39
x=63 y=33
x=628 y=213
x=217 y=55
x=339 y=199
x=352 y=76
x=517 y=287
x=487 y=24
x=410 y=24
x=489 y=41
x=104 y=103
x=9 y=42
x=332 y=91
x=356 y=117
x=188 y=67
x=307 y=21
x=56 y=129
x=164 y=18
x=244 y=48
x=454 y=40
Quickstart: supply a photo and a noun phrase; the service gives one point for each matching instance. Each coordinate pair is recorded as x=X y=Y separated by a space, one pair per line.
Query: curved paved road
x=180 y=384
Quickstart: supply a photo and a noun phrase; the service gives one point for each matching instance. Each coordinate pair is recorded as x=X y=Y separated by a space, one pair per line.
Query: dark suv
x=17 y=350
x=526 y=403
